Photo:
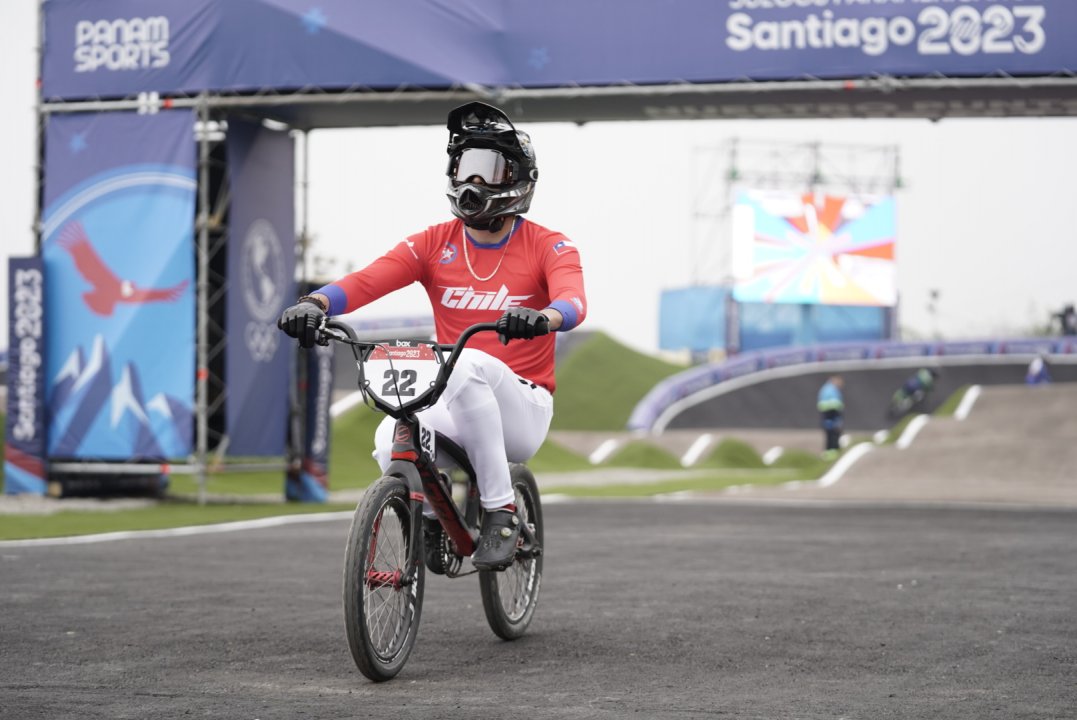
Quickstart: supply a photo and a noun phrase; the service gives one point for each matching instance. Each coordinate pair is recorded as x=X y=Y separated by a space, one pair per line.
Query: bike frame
x=410 y=459
x=412 y=463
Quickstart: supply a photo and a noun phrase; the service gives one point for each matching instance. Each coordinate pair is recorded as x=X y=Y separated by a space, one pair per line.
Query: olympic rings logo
x=262 y=340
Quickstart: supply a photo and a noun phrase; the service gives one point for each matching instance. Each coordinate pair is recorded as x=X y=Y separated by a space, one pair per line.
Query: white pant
x=496 y=416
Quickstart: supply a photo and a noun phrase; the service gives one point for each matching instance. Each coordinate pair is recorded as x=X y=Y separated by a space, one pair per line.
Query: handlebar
x=350 y=337
x=335 y=330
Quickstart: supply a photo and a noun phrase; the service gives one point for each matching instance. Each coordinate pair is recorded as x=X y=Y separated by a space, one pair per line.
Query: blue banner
x=693 y=318
x=116 y=48
x=24 y=433
x=261 y=283
x=308 y=479
x=117 y=242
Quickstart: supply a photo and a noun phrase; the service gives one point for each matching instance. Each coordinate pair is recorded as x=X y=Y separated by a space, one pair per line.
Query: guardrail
x=689 y=382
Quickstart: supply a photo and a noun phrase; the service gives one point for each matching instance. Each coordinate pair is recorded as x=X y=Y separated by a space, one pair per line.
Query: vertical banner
x=261 y=283
x=118 y=246
x=308 y=475
x=24 y=433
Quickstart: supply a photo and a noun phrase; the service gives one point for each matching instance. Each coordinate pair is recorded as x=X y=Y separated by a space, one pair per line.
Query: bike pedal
x=497 y=568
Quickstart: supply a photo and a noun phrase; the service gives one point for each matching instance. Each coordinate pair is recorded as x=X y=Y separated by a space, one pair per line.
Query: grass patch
x=715 y=482
x=600 y=382
x=639 y=454
x=732 y=453
x=245 y=483
x=164 y=515
x=949 y=407
x=553 y=457
x=351 y=465
x=809 y=464
x=898 y=428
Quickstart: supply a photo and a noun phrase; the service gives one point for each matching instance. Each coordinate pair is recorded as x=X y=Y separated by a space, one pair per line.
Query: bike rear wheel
x=510 y=596
x=383 y=580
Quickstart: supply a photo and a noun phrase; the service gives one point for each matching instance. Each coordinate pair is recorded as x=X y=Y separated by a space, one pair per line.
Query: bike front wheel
x=510 y=596
x=383 y=580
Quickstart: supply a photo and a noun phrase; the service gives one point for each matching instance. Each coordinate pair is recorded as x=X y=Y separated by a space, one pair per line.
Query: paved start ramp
x=1016 y=446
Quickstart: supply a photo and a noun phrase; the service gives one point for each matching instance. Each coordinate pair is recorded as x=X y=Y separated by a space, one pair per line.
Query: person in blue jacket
x=831 y=406
x=1038 y=372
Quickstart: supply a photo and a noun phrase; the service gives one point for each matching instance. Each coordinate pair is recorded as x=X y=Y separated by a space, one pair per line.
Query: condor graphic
x=107 y=290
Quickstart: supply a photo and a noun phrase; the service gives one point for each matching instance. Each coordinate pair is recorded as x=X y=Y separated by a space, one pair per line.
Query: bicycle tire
x=900 y=405
x=510 y=596
x=381 y=613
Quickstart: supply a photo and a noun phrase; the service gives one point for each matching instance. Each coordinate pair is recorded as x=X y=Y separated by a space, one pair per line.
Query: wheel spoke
x=510 y=596
x=388 y=607
x=514 y=585
x=383 y=588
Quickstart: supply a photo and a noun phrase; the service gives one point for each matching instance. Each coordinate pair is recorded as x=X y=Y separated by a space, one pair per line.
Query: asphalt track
x=938 y=581
x=648 y=609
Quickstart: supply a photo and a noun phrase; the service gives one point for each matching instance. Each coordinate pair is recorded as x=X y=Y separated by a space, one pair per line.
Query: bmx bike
x=384 y=568
x=903 y=402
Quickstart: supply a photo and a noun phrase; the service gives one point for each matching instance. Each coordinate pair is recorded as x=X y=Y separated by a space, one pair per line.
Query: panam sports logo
x=131 y=44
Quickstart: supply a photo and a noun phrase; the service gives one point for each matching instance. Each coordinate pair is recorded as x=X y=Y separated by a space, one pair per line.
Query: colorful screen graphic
x=814 y=248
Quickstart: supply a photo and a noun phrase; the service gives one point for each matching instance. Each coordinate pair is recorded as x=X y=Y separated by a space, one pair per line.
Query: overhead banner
x=24 y=431
x=118 y=246
x=814 y=248
x=118 y=48
x=261 y=283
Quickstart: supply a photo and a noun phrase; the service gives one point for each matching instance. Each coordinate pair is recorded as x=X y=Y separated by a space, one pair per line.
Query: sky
x=986 y=219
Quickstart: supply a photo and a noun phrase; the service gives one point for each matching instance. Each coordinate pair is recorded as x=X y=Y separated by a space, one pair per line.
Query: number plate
x=399 y=374
x=427 y=439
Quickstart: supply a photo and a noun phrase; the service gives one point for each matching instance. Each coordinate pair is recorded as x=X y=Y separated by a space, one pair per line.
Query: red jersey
x=469 y=283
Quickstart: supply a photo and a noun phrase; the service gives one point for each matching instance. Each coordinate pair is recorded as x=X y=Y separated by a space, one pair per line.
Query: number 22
x=400 y=382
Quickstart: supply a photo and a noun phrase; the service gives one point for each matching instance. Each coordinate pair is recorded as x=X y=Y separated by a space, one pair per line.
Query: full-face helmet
x=492 y=170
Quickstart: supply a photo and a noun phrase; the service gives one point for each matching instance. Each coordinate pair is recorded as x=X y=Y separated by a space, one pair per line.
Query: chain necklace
x=467 y=241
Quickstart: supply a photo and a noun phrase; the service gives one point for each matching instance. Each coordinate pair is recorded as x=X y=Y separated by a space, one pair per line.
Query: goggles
x=491 y=166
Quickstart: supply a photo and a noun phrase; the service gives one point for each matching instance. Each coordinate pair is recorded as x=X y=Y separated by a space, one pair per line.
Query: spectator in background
x=831 y=406
x=923 y=380
x=912 y=393
x=1038 y=372
x=1067 y=319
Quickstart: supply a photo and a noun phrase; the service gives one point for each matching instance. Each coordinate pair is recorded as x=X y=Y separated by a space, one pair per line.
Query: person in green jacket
x=831 y=408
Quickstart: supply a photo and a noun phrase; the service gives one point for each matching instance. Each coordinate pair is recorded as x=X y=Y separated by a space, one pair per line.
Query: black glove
x=521 y=323
x=302 y=321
